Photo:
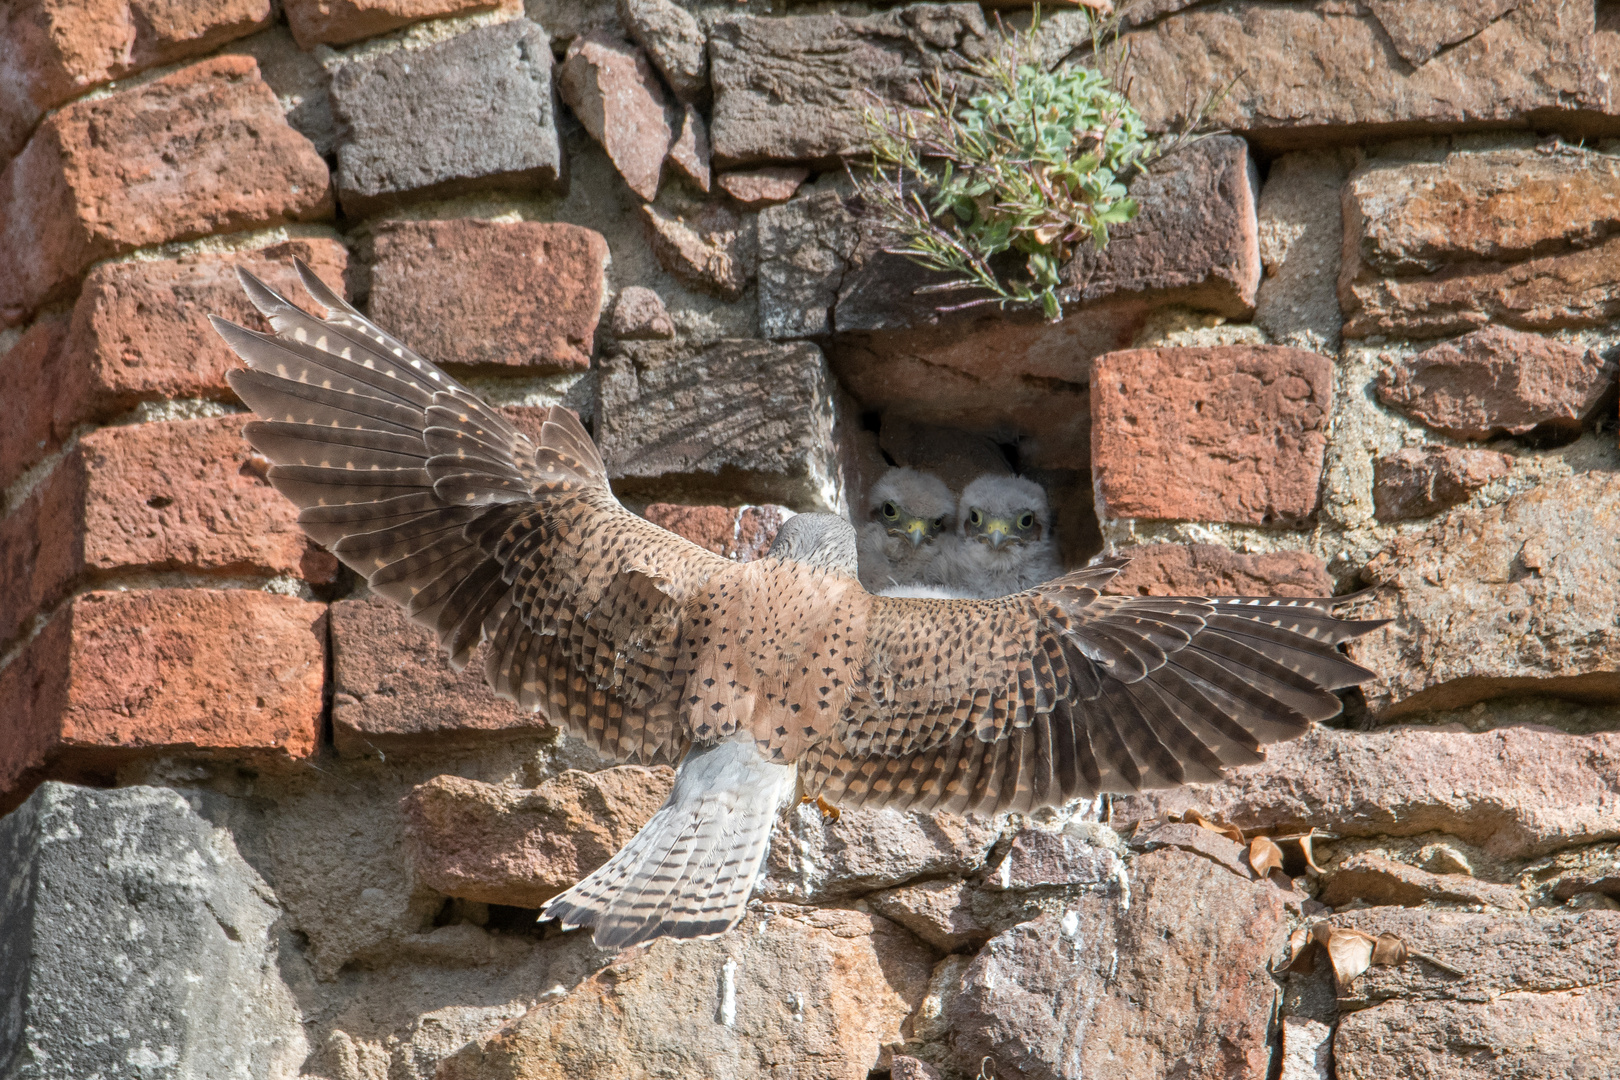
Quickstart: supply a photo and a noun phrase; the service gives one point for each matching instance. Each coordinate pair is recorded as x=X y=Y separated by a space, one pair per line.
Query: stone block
x=1417 y=481
x=742 y=533
x=814 y=859
x=205 y=149
x=939 y=911
x=1498 y=381
x=1064 y=995
x=136 y=941
x=479 y=293
x=764 y=186
x=1043 y=858
x=791 y=991
x=339 y=22
x=1514 y=791
x=1301 y=227
x=1212 y=570
x=738 y=418
x=805 y=248
x=115 y=675
x=504 y=845
x=1232 y=433
x=675 y=43
x=1376 y=880
x=1514 y=598
x=1512 y=236
x=299 y=81
x=52 y=52
x=690 y=154
x=713 y=251
x=1303 y=75
x=167 y=496
x=794 y=89
x=476 y=111
x=612 y=89
x=394 y=692
x=639 y=314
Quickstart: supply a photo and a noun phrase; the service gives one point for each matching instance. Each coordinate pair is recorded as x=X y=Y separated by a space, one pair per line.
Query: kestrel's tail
x=688 y=873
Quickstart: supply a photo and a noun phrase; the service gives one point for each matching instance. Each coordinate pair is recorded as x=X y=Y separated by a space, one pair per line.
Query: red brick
x=204 y=150
x=161 y=496
x=31 y=372
x=743 y=533
x=394 y=690
x=764 y=186
x=141 y=333
x=1233 y=433
x=612 y=89
x=338 y=22
x=1212 y=570
x=118 y=674
x=484 y=293
x=52 y=51
x=138 y=333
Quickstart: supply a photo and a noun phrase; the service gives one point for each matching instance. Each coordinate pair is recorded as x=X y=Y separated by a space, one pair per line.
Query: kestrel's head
x=912 y=505
x=826 y=541
x=1004 y=512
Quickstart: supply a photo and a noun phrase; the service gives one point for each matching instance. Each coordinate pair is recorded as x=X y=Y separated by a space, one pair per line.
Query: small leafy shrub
x=1034 y=160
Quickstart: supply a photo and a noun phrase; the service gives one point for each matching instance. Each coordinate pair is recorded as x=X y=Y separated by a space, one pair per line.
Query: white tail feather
x=690 y=870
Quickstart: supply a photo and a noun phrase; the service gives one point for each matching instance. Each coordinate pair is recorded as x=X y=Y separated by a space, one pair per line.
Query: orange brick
x=52 y=51
x=161 y=496
x=204 y=150
x=115 y=675
x=338 y=22
x=31 y=372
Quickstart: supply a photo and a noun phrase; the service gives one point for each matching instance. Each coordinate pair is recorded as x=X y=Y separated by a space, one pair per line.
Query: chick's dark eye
x=890 y=511
x=1026 y=520
x=939 y=523
x=975 y=518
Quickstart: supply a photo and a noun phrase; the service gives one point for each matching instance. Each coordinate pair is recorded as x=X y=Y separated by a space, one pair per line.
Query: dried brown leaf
x=1264 y=856
x=1301 y=957
x=1389 y=951
x=1310 y=857
x=1350 y=951
x=1231 y=832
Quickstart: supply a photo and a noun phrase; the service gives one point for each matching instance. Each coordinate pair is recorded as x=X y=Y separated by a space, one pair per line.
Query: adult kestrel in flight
x=749 y=677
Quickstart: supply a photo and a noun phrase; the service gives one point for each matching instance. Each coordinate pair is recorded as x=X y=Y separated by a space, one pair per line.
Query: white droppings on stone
x=728 y=993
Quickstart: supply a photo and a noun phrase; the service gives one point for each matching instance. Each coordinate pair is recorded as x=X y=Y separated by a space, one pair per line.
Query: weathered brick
x=473 y=111
x=161 y=496
x=204 y=150
x=1497 y=381
x=1212 y=570
x=738 y=418
x=1302 y=74
x=501 y=845
x=31 y=371
x=51 y=51
x=743 y=533
x=1512 y=236
x=138 y=333
x=1233 y=433
x=1514 y=598
x=612 y=89
x=481 y=293
x=118 y=674
x=795 y=89
x=1417 y=481
x=338 y=22
x=393 y=690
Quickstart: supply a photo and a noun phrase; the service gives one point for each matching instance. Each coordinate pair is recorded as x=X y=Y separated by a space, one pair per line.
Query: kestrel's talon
x=828 y=810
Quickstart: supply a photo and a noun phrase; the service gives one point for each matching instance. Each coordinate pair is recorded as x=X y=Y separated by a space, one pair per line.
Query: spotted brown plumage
x=748 y=677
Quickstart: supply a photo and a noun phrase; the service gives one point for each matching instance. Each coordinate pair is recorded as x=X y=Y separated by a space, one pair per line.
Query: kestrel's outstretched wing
x=446 y=508
x=1062 y=692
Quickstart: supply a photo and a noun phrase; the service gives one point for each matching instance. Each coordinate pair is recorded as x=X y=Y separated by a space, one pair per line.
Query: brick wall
x=1368 y=336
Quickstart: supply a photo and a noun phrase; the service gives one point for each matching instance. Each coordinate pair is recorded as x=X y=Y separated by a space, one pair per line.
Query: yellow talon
x=828 y=810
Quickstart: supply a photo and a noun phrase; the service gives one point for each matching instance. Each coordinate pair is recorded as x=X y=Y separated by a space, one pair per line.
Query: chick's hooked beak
x=916 y=531
x=997 y=531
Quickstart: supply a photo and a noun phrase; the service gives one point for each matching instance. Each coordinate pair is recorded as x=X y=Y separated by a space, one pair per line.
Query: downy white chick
x=910 y=516
x=1004 y=542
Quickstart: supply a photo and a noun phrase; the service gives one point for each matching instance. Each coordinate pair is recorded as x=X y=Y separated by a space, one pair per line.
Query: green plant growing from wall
x=1031 y=159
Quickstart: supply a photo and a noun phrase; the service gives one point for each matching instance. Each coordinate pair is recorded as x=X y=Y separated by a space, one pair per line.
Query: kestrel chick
x=910 y=517
x=1005 y=539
